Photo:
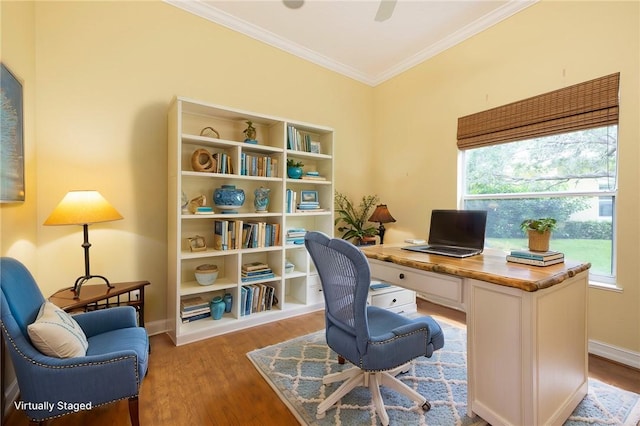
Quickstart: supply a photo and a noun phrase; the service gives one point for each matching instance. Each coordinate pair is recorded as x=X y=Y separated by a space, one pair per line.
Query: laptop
x=455 y=233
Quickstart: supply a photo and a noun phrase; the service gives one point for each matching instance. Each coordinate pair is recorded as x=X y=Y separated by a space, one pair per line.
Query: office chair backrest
x=345 y=277
x=20 y=293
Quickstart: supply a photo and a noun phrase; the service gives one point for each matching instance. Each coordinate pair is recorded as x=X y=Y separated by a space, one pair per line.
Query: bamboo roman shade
x=586 y=105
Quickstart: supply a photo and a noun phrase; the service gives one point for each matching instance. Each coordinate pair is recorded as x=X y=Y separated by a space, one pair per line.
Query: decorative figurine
x=250 y=133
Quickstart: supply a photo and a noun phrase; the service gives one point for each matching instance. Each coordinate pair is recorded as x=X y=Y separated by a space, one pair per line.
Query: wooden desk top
x=92 y=293
x=491 y=266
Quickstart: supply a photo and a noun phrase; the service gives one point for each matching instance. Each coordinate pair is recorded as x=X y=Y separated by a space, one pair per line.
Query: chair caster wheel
x=426 y=406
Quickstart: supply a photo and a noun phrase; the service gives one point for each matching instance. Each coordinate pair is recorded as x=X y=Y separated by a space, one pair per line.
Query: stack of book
x=312 y=176
x=536 y=258
x=255 y=271
x=295 y=236
x=193 y=309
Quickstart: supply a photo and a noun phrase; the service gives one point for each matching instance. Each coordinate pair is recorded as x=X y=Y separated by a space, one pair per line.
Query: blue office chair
x=113 y=368
x=380 y=343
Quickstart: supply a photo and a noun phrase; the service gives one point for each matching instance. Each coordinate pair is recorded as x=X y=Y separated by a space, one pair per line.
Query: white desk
x=526 y=328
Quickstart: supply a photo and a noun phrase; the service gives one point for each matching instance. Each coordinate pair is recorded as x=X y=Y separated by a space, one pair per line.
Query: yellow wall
x=18 y=232
x=548 y=46
x=106 y=72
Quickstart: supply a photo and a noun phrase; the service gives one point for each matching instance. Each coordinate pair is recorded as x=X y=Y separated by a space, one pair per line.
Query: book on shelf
x=196 y=312
x=257 y=273
x=193 y=303
x=260 y=234
x=268 y=276
x=196 y=317
x=534 y=262
x=314 y=210
x=254 y=266
x=257 y=298
x=537 y=255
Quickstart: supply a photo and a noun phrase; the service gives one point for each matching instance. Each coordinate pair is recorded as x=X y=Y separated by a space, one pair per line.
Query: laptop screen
x=460 y=228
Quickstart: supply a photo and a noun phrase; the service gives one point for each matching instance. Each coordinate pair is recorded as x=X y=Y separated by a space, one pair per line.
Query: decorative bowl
x=206 y=274
x=289 y=267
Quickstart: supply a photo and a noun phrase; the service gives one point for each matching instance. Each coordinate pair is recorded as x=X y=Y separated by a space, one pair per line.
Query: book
x=534 y=262
x=257 y=278
x=189 y=314
x=537 y=255
x=193 y=303
x=196 y=317
x=254 y=266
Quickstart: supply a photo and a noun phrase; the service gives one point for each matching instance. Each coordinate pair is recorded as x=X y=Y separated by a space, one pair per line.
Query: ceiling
x=343 y=35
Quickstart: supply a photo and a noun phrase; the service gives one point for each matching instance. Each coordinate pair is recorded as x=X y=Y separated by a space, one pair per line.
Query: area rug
x=294 y=369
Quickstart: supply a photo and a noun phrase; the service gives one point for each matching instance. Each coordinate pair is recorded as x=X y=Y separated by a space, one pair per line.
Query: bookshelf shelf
x=295 y=292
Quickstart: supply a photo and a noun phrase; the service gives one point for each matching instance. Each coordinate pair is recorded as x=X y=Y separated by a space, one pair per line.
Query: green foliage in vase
x=294 y=163
x=352 y=219
x=540 y=225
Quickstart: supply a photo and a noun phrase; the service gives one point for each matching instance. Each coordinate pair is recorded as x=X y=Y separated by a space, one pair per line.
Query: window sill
x=605 y=286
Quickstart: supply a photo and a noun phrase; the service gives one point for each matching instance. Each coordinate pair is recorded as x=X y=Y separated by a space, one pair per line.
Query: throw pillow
x=56 y=333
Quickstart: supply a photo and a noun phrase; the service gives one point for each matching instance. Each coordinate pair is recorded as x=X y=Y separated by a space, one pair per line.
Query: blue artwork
x=11 y=138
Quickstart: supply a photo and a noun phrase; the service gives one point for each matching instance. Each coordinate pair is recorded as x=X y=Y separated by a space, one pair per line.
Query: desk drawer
x=430 y=284
x=392 y=299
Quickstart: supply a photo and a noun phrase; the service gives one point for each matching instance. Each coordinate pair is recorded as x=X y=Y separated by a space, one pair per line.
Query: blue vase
x=228 y=302
x=261 y=200
x=294 y=172
x=217 y=307
x=228 y=198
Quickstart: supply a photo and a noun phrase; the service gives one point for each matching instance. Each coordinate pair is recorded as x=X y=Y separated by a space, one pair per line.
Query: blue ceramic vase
x=217 y=307
x=261 y=200
x=228 y=198
x=228 y=302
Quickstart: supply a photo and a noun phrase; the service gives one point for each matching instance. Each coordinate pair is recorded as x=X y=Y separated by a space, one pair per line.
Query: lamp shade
x=82 y=208
x=381 y=214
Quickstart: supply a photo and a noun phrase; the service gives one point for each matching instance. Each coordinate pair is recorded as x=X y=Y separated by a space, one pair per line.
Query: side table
x=99 y=296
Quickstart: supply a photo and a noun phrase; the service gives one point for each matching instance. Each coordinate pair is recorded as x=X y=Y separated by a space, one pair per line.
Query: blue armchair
x=115 y=363
x=379 y=343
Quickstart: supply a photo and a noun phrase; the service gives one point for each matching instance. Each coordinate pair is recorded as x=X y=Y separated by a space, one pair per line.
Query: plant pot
x=294 y=172
x=366 y=241
x=539 y=241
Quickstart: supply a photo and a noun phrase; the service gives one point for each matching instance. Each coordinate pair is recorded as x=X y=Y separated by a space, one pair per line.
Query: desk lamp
x=83 y=208
x=381 y=214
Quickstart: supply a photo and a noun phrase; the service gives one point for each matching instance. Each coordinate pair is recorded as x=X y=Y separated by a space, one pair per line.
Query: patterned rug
x=294 y=369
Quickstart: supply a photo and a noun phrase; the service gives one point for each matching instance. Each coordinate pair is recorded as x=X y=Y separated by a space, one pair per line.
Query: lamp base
x=81 y=280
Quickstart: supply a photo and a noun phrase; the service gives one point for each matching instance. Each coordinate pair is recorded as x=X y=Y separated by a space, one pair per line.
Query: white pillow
x=56 y=333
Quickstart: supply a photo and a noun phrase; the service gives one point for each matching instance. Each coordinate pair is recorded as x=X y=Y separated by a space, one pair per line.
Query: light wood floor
x=212 y=382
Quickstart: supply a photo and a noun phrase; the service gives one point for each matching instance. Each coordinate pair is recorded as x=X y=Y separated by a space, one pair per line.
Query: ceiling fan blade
x=293 y=4
x=385 y=10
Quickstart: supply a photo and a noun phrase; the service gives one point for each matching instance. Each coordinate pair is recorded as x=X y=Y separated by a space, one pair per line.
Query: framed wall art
x=11 y=138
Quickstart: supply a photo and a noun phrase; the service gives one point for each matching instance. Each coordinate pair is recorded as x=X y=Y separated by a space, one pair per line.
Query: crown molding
x=220 y=17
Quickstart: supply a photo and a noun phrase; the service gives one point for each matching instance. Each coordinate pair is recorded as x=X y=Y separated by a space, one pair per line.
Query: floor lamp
x=83 y=208
x=381 y=214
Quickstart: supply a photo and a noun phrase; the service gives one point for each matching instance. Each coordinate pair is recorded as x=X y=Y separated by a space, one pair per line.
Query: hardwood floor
x=212 y=382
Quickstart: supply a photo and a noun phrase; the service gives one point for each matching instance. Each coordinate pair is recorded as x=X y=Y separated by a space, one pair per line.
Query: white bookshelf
x=297 y=292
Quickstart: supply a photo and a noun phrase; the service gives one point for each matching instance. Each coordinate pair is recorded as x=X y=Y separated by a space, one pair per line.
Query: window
x=533 y=159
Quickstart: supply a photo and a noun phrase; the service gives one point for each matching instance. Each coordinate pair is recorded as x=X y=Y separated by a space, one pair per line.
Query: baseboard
x=616 y=354
x=156 y=327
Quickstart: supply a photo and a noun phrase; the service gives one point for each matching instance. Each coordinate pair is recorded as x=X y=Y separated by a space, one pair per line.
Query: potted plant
x=352 y=219
x=539 y=232
x=294 y=168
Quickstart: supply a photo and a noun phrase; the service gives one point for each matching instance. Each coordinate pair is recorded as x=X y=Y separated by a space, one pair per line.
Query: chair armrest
x=103 y=320
x=401 y=331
